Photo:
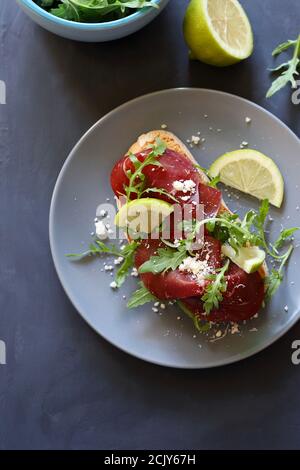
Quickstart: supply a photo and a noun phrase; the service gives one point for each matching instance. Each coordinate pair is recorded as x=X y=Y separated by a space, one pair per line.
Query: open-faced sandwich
x=209 y=261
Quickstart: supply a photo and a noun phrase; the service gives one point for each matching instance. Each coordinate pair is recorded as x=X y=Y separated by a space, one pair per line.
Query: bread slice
x=173 y=143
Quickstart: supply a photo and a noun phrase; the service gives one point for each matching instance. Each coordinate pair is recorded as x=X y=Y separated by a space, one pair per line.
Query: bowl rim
x=85 y=26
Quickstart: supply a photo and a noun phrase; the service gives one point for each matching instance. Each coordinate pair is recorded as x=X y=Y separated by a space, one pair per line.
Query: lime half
x=251 y=172
x=249 y=259
x=218 y=32
x=143 y=215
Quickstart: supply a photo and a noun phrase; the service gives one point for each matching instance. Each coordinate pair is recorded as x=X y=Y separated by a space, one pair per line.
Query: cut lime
x=143 y=215
x=218 y=32
x=251 y=172
x=249 y=259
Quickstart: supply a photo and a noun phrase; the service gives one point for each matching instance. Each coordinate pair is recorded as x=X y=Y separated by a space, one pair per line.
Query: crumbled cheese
x=108 y=268
x=185 y=198
x=101 y=231
x=134 y=272
x=113 y=285
x=163 y=306
x=155 y=310
x=199 y=269
x=286 y=308
x=187 y=186
x=195 y=139
x=218 y=334
x=103 y=213
x=248 y=120
x=244 y=144
x=118 y=260
x=164 y=126
x=156 y=304
x=234 y=329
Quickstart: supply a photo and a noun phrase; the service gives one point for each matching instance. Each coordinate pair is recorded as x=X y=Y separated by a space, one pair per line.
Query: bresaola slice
x=242 y=300
x=174 y=167
x=176 y=284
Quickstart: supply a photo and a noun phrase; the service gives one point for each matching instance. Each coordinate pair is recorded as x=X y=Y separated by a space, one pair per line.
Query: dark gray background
x=63 y=386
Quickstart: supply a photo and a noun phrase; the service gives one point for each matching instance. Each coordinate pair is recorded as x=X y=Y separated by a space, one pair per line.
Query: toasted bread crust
x=173 y=143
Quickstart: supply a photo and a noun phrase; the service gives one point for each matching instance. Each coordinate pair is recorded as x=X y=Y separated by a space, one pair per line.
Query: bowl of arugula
x=92 y=20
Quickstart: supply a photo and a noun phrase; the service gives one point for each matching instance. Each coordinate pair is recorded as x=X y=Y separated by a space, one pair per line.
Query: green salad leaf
x=289 y=70
x=93 y=11
x=100 y=248
x=140 y=297
x=165 y=260
x=214 y=291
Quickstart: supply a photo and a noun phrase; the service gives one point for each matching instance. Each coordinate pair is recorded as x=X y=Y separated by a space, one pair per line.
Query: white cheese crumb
x=118 y=260
x=101 y=231
x=103 y=213
x=155 y=310
x=164 y=126
x=199 y=269
x=163 y=306
x=244 y=144
x=113 y=285
x=108 y=268
x=134 y=272
x=235 y=329
x=187 y=186
x=218 y=334
x=195 y=139
x=156 y=304
x=185 y=198
x=248 y=120
x=286 y=308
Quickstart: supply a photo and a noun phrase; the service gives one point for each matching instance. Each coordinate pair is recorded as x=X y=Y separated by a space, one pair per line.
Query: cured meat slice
x=242 y=300
x=177 y=284
x=175 y=167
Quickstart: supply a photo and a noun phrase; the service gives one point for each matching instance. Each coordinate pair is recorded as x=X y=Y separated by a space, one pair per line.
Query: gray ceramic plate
x=83 y=183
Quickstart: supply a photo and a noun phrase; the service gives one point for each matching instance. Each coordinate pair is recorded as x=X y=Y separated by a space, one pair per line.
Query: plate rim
x=68 y=160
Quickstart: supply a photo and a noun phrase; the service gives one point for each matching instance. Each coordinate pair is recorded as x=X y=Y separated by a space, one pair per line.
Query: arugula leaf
x=97 y=249
x=137 y=178
x=275 y=278
x=283 y=47
x=284 y=236
x=201 y=325
x=100 y=248
x=162 y=192
x=140 y=297
x=166 y=259
x=290 y=68
x=213 y=181
x=90 y=11
x=128 y=255
x=215 y=290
